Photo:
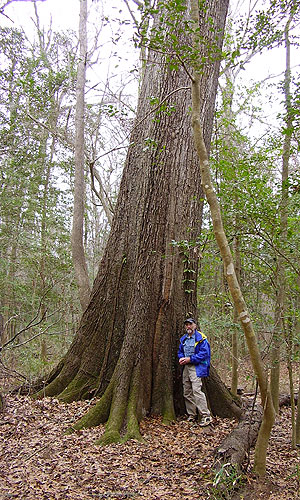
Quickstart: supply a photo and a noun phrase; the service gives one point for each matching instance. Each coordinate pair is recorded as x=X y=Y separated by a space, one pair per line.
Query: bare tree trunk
x=298 y=418
x=235 y=350
x=280 y=327
x=237 y=444
x=221 y=401
x=298 y=404
x=229 y=134
x=269 y=413
x=78 y=254
x=276 y=344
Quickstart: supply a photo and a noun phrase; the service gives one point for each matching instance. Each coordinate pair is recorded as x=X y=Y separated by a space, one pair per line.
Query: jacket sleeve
x=202 y=355
x=180 y=351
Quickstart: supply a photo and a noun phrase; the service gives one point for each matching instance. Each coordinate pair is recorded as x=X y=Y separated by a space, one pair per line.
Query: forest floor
x=40 y=462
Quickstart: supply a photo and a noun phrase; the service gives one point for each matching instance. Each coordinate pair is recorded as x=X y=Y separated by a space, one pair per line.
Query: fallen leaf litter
x=38 y=461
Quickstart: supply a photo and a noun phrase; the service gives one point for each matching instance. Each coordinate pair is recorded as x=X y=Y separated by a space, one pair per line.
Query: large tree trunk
x=125 y=348
x=220 y=400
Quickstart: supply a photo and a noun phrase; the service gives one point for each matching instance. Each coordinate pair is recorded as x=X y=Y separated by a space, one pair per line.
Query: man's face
x=190 y=328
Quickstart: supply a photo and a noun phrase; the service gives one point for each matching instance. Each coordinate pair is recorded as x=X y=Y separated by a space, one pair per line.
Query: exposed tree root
x=132 y=424
x=55 y=385
x=221 y=401
x=168 y=411
x=39 y=386
x=79 y=388
x=98 y=414
x=110 y=436
x=115 y=407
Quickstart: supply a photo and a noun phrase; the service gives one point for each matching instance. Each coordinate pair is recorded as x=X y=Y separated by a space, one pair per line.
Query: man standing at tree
x=194 y=356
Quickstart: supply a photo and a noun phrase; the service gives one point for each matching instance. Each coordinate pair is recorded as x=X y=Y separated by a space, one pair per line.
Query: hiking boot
x=205 y=421
x=192 y=418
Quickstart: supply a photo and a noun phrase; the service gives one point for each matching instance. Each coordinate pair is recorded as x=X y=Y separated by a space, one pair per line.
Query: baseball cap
x=190 y=320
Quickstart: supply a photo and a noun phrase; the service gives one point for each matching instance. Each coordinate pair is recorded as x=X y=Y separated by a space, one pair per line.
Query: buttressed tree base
x=124 y=351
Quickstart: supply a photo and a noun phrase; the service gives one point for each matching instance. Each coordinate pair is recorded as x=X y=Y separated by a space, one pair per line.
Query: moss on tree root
x=112 y=432
x=77 y=388
x=133 y=431
x=168 y=411
x=133 y=428
x=111 y=408
x=115 y=421
x=53 y=389
x=109 y=437
x=98 y=414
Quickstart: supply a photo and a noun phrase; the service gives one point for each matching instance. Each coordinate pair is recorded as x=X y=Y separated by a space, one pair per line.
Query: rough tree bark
x=125 y=348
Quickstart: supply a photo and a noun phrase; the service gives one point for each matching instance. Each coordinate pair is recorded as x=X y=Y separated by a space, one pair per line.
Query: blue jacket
x=201 y=356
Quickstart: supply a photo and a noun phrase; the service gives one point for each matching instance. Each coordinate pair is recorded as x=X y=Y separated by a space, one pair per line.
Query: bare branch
x=265 y=237
x=35 y=336
x=10 y=371
x=31 y=323
x=131 y=12
x=54 y=133
x=101 y=194
x=138 y=3
x=184 y=67
x=8 y=2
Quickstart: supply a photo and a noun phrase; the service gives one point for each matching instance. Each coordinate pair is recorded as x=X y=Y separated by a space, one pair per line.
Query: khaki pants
x=193 y=396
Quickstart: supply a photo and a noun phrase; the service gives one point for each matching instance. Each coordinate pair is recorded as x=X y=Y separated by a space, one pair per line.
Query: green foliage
x=226 y=482
x=35 y=264
x=190 y=279
x=249 y=189
x=37 y=96
x=171 y=33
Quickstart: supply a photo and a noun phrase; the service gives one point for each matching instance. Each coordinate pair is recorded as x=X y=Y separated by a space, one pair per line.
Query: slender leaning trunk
x=235 y=290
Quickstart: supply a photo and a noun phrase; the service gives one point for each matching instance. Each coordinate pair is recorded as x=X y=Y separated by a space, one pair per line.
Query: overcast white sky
x=65 y=14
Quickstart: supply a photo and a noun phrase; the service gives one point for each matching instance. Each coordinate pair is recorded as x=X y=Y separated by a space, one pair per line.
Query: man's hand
x=184 y=361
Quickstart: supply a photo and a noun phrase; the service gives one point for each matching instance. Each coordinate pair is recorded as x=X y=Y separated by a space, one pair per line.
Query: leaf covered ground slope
x=38 y=461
